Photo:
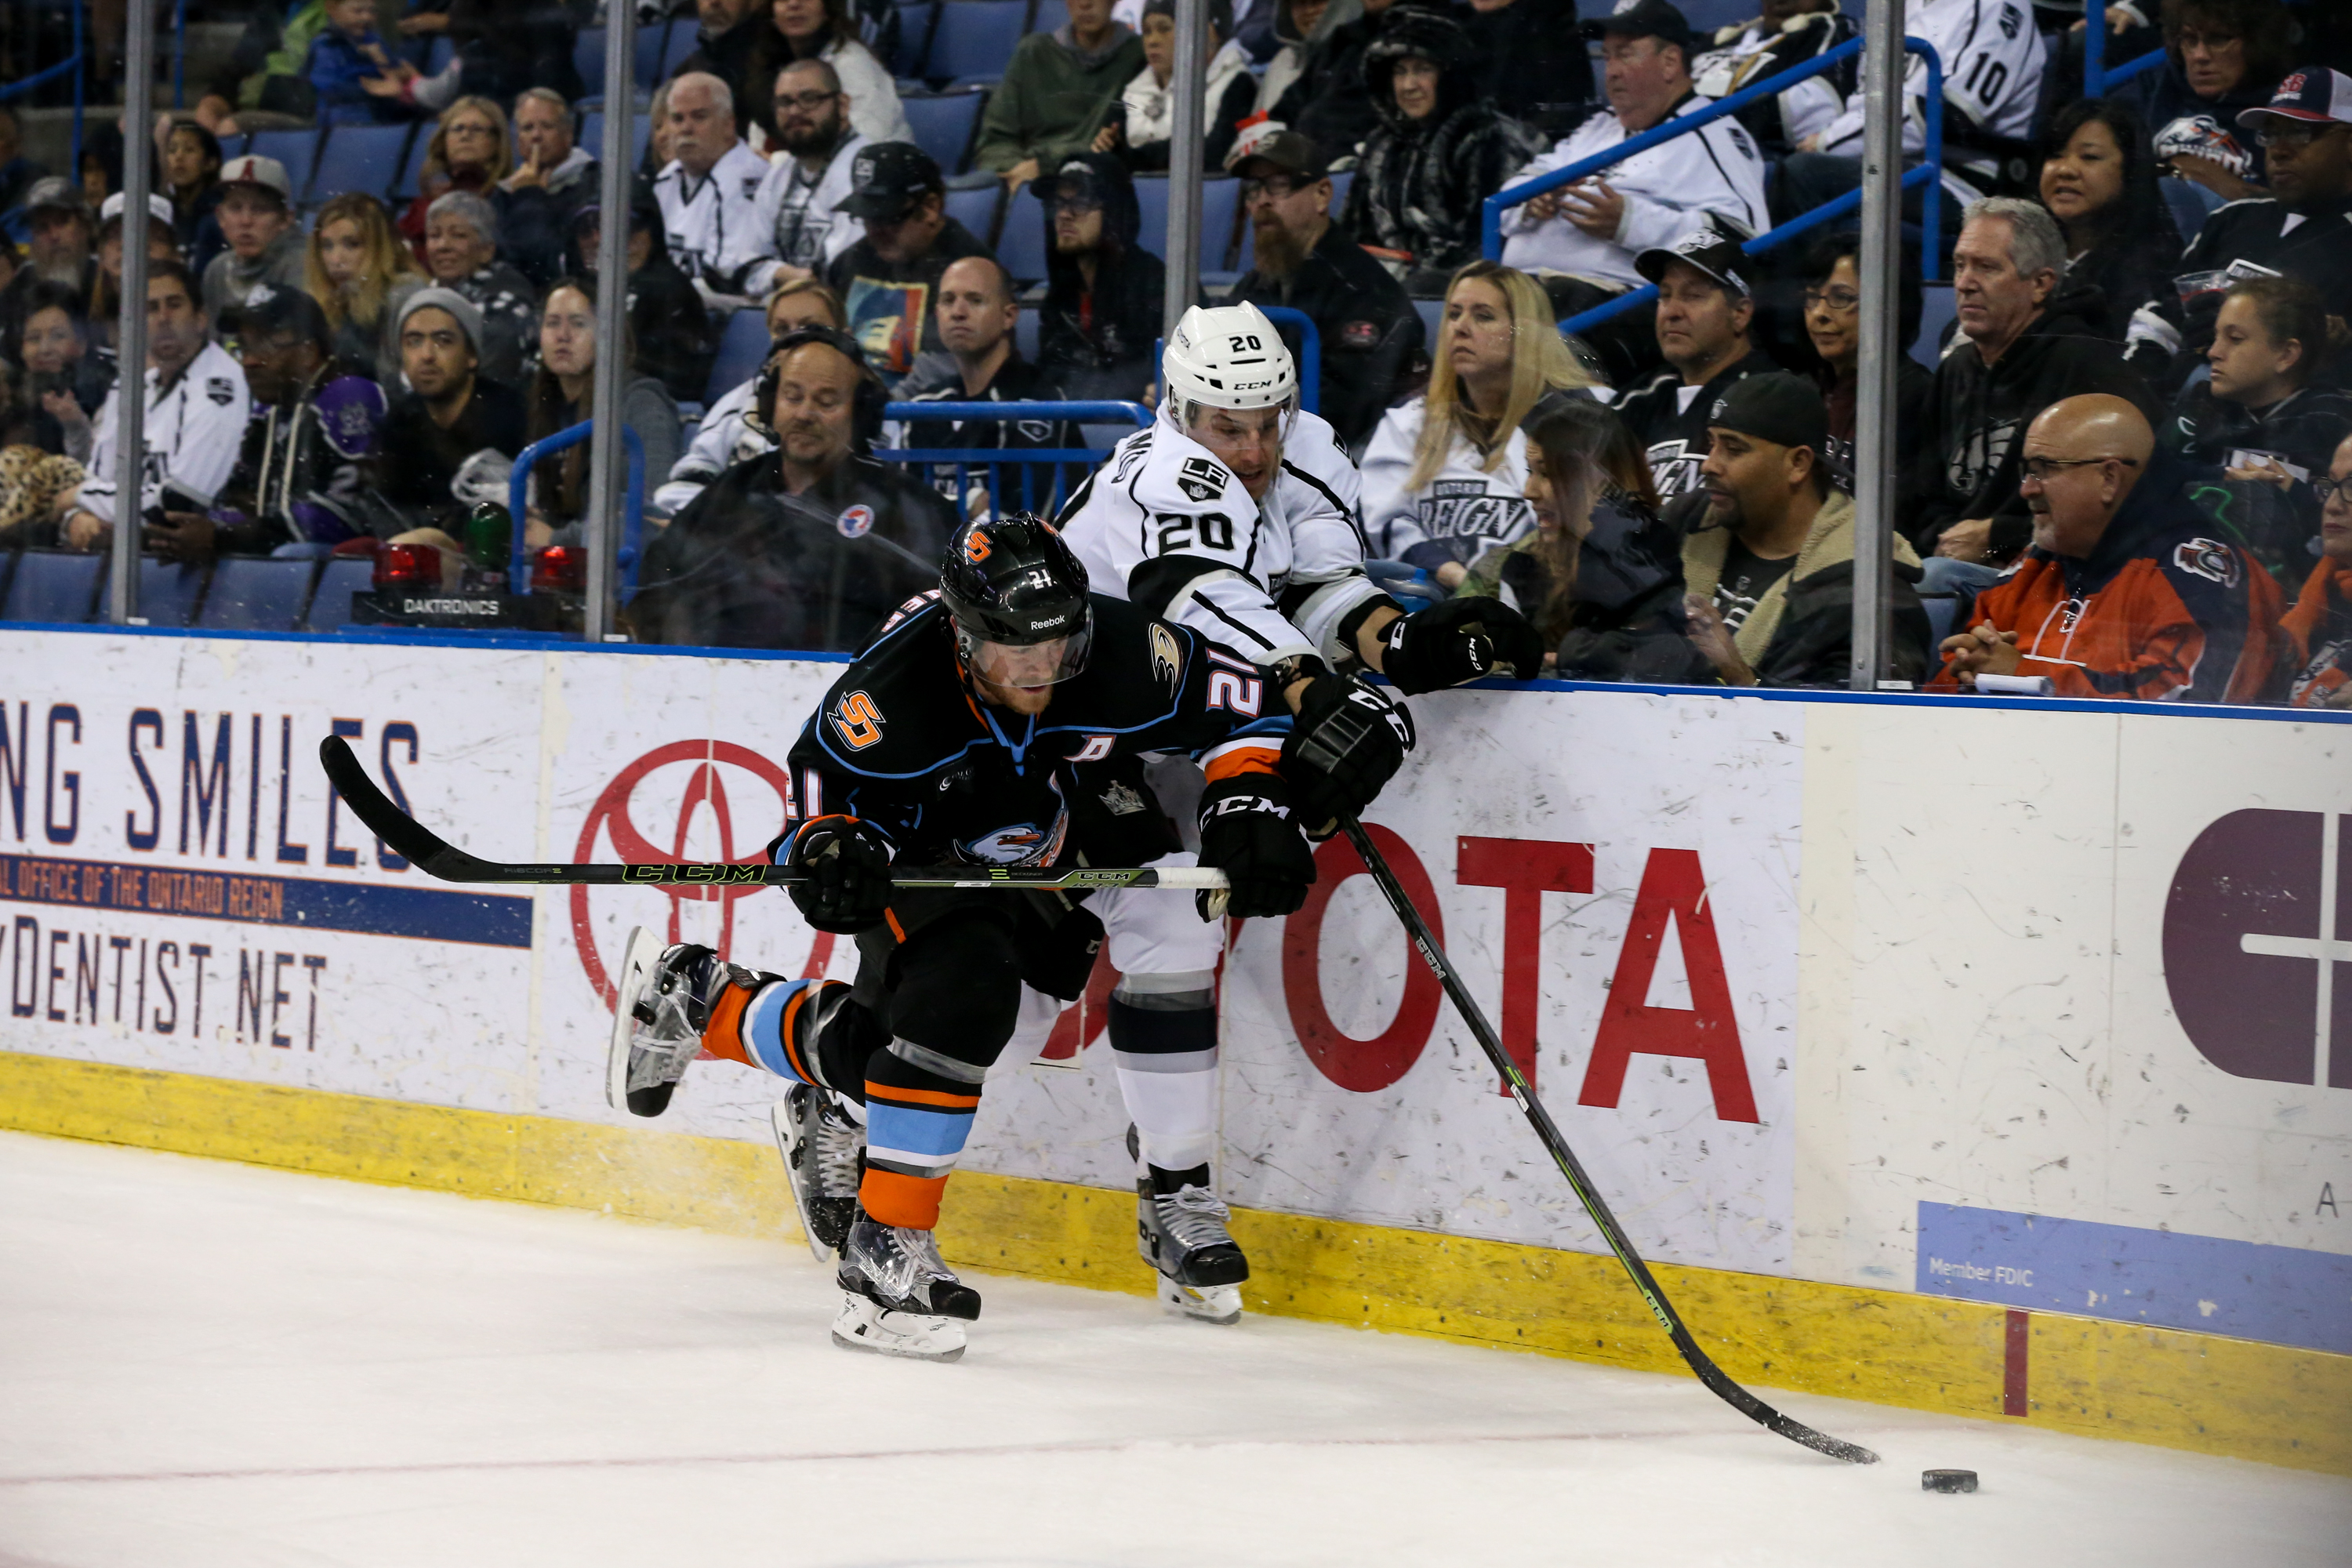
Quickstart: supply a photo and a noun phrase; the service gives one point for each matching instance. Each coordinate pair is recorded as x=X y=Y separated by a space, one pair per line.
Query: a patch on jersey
x=856 y=720
x=220 y=390
x=1167 y=657
x=1037 y=432
x=1097 y=748
x=1974 y=459
x=1200 y=478
x=1673 y=468
x=1022 y=844
x=2203 y=136
x=2012 y=22
x=2208 y=559
x=855 y=522
x=1121 y=801
x=1360 y=335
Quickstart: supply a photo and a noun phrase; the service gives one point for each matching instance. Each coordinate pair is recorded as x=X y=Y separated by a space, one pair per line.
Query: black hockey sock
x=1168 y=1183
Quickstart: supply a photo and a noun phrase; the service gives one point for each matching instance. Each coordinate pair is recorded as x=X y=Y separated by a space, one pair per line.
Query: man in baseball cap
x=1644 y=20
x=1769 y=569
x=889 y=280
x=1705 y=311
x=63 y=236
x=449 y=412
x=264 y=242
x=162 y=239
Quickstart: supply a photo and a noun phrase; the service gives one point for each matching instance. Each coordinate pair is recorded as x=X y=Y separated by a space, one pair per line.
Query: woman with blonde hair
x=472 y=150
x=360 y=275
x=1445 y=473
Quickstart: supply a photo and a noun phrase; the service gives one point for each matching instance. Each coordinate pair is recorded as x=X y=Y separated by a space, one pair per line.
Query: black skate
x=824 y=1156
x=1182 y=1235
x=663 y=1004
x=897 y=1298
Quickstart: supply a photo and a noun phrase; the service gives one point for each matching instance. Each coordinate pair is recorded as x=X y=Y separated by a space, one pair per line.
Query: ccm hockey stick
x=1709 y=1373
x=421 y=846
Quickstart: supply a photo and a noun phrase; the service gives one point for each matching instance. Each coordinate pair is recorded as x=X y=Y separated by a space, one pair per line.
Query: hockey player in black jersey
x=1003 y=720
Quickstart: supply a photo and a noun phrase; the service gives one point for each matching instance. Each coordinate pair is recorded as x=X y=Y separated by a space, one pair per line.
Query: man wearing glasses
x=799 y=231
x=2304 y=229
x=2124 y=592
x=1371 y=335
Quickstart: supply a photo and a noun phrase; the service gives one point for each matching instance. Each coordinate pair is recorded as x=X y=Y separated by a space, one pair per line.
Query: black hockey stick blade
x=413 y=841
x=1707 y=1373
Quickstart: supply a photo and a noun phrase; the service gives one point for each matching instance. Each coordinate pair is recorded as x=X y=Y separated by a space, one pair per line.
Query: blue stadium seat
x=1221 y=199
x=439 y=54
x=1050 y=16
x=1706 y=15
x=660 y=46
x=1433 y=317
x=412 y=168
x=742 y=347
x=169 y=591
x=298 y=150
x=248 y=595
x=2191 y=205
x=331 y=602
x=914 y=37
x=592 y=135
x=1151 y=198
x=588 y=59
x=364 y=158
x=1021 y=245
x=975 y=39
x=1936 y=312
x=943 y=124
x=1026 y=333
x=54 y=585
x=974 y=207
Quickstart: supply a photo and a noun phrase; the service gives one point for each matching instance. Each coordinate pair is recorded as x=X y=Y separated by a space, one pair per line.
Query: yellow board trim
x=2201 y=1392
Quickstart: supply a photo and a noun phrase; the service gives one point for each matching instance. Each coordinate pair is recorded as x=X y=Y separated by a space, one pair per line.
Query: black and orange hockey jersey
x=2319 y=637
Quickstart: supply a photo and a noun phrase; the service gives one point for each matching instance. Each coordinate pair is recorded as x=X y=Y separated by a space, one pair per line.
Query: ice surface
x=206 y=1363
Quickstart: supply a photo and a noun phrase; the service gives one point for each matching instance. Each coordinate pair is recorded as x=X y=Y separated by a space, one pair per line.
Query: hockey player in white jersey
x=1236 y=514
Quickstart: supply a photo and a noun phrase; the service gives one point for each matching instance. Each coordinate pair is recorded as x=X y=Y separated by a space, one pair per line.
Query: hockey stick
x=417 y=844
x=1709 y=1373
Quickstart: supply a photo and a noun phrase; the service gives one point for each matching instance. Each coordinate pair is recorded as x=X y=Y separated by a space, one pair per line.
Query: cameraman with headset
x=808 y=546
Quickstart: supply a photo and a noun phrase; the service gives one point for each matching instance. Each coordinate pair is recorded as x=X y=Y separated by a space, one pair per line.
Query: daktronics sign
x=2258 y=946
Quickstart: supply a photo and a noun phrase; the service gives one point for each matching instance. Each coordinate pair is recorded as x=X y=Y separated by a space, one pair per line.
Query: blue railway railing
x=1033 y=479
x=2096 y=77
x=633 y=512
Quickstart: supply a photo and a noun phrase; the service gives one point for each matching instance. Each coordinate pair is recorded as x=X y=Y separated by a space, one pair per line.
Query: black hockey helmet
x=1018 y=598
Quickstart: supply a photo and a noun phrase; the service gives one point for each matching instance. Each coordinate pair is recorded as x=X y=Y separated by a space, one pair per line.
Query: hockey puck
x=1947 y=1481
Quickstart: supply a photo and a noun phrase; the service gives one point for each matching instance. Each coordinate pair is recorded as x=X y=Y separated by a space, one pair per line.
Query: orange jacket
x=2160 y=610
x=2319 y=636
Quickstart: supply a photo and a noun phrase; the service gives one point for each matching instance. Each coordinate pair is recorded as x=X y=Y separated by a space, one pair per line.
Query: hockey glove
x=1461 y=639
x=1345 y=742
x=1247 y=832
x=848 y=866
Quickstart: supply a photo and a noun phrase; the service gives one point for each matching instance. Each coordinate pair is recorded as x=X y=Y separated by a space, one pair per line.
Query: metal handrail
x=633 y=504
x=2096 y=77
x=996 y=458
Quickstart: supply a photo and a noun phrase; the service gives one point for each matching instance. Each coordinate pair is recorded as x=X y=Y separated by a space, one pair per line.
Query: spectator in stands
x=1329 y=104
x=2221 y=58
x=265 y=242
x=977 y=314
x=709 y=189
x=1705 y=308
x=1445 y=475
x=801 y=228
x=2099 y=182
x=197 y=406
x=1058 y=90
x=2124 y=592
x=190 y=169
x=658 y=134
x=1105 y=292
x=1769 y=567
x=723 y=439
x=538 y=203
x=63 y=239
x=461 y=252
x=826 y=31
x=450 y=413
x=299 y=465
x=470 y=150
x=674 y=335
x=1535 y=65
x=1789 y=34
x=2023 y=343
x=1438 y=152
x=18 y=175
x=1834 y=323
x=356 y=77
x=2261 y=421
x=1592 y=230
x=502 y=47
x=1299 y=26
x=266 y=69
x=810 y=547
x=888 y=280
x=2319 y=626
x=731 y=29
x=1140 y=130
x=1371 y=337
x=2302 y=229
x=361 y=275
x=59 y=380
x=562 y=395
x=106 y=307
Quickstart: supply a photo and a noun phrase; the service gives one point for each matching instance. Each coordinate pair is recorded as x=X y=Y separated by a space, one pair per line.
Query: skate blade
x=780 y=1117
x=866 y=1325
x=1209 y=1303
x=638 y=960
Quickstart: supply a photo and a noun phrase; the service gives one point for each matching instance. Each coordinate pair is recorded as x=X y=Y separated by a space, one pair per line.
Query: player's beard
x=1279 y=251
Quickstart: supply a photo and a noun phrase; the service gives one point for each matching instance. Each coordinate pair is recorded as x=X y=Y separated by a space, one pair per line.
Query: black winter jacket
x=1372 y=339
x=1329 y=102
x=2302 y=430
x=1096 y=341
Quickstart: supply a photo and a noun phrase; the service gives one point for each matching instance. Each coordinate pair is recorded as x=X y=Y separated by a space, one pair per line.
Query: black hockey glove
x=1247 y=832
x=1461 y=640
x=1345 y=742
x=848 y=866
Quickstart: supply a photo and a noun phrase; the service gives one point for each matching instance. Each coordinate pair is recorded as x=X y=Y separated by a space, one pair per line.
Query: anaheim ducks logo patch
x=1167 y=657
x=2210 y=559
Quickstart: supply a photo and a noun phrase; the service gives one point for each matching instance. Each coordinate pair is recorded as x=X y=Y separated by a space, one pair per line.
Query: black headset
x=865 y=411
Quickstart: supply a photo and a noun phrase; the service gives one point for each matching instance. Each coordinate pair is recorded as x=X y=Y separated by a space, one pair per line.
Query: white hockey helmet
x=1228 y=356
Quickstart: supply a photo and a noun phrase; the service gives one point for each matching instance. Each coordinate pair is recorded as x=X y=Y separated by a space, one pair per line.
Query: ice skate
x=824 y=1155
x=663 y=1001
x=1182 y=1235
x=900 y=1298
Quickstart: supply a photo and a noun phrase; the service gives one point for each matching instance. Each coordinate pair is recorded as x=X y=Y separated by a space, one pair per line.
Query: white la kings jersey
x=1464 y=511
x=716 y=219
x=1165 y=525
x=1992 y=58
x=193 y=430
